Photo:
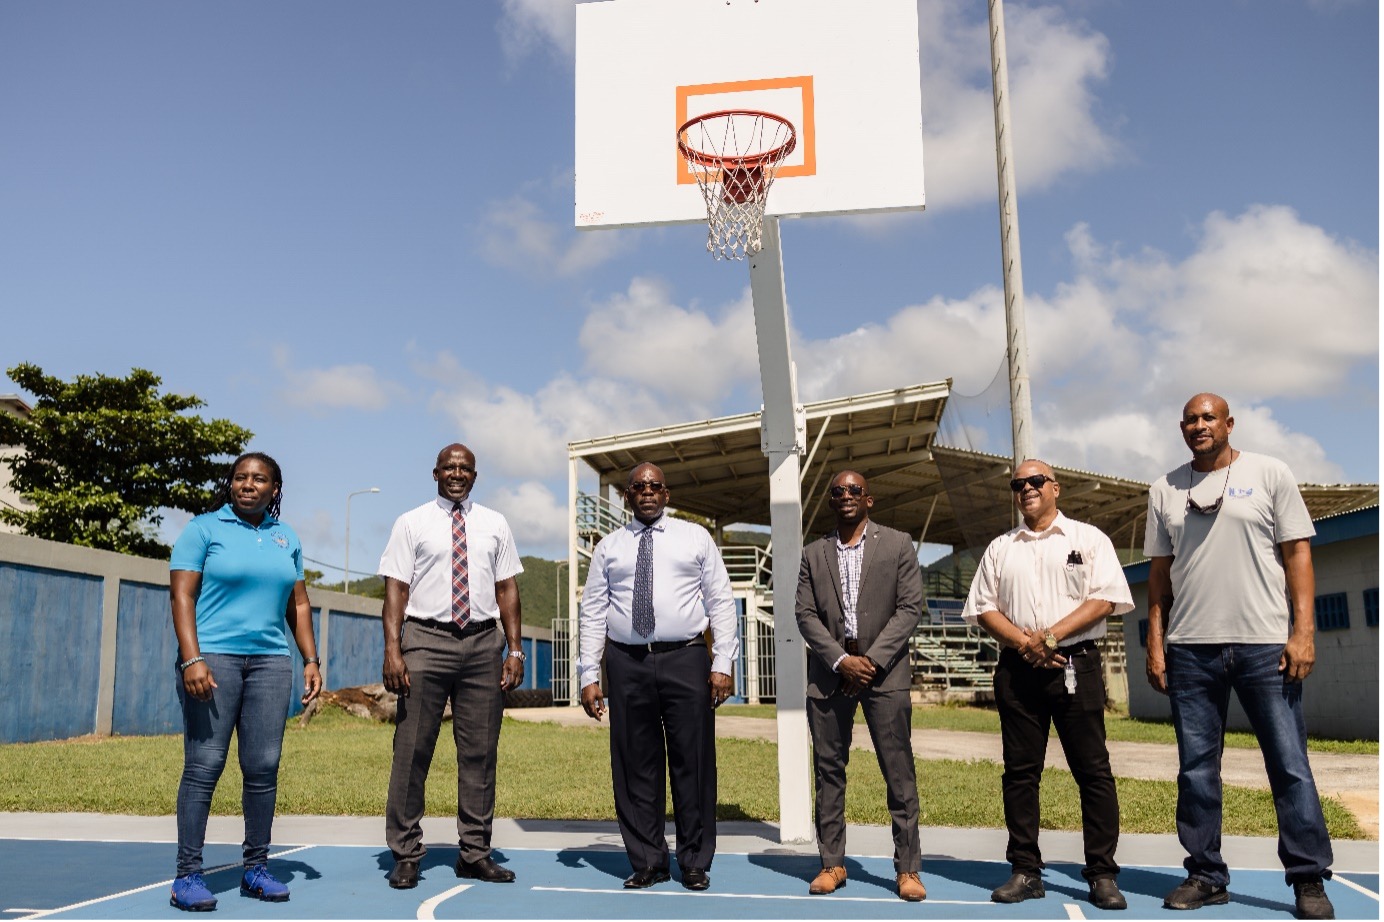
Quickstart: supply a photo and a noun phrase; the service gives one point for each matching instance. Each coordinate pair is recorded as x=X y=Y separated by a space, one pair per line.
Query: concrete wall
x=1341 y=696
x=87 y=644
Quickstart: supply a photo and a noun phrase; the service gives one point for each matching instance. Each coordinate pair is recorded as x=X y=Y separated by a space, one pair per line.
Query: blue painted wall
x=295 y=703
x=356 y=650
x=146 y=656
x=50 y=647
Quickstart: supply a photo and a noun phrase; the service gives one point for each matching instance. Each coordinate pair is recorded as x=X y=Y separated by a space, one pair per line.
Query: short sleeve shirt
x=1228 y=580
x=1037 y=578
x=248 y=575
x=419 y=553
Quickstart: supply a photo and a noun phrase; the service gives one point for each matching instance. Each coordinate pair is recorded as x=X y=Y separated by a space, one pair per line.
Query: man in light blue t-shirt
x=1229 y=542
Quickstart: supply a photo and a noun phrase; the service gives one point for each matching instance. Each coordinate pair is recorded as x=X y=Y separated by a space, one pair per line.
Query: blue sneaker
x=259 y=883
x=190 y=894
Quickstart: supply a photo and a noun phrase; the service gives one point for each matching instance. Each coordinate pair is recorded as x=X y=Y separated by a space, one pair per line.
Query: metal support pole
x=783 y=435
x=1016 y=334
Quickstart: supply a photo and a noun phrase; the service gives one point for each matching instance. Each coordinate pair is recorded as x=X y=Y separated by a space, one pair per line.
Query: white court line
x=163 y=883
x=425 y=911
x=1073 y=911
x=756 y=896
x=1356 y=887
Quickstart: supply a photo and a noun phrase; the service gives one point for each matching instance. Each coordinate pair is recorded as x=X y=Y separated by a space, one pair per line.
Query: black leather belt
x=657 y=646
x=475 y=626
x=1077 y=649
x=852 y=646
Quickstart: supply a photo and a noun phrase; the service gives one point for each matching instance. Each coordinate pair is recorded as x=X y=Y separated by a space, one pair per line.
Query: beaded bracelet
x=196 y=659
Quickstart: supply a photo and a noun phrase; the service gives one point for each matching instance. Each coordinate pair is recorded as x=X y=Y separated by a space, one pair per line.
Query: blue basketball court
x=575 y=871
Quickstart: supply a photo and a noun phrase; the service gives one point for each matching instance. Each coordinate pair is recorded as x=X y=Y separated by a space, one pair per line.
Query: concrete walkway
x=1352 y=778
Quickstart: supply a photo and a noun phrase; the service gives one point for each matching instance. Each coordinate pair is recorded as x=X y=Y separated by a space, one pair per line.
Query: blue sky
x=348 y=226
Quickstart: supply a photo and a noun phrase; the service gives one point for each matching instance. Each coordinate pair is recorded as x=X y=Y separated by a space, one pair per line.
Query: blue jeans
x=251 y=698
x=1200 y=678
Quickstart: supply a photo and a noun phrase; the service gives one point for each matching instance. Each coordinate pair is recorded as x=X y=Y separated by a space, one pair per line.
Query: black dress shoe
x=1105 y=894
x=485 y=869
x=695 y=879
x=646 y=877
x=405 y=875
x=1018 y=888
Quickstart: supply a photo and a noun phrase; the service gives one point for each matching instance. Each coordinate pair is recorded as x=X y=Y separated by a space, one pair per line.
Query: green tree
x=103 y=455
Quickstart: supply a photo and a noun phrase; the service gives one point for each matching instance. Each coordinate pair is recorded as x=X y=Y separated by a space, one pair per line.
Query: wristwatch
x=517 y=654
x=1049 y=640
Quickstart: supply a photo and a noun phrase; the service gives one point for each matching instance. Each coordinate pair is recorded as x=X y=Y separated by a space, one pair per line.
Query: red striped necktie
x=461 y=586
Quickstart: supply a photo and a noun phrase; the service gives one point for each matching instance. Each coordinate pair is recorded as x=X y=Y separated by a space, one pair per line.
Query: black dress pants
x=660 y=709
x=1030 y=700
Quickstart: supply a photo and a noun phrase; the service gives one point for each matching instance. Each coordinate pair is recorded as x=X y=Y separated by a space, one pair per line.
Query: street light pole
x=346 y=583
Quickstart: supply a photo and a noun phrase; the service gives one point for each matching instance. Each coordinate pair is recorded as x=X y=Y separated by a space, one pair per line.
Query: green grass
x=339 y=765
x=1118 y=727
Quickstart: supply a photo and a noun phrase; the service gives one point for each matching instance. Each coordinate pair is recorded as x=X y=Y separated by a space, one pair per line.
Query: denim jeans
x=1200 y=678
x=251 y=698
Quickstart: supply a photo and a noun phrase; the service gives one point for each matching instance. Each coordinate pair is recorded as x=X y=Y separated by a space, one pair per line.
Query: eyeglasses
x=1194 y=506
x=841 y=490
x=1033 y=480
x=645 y=486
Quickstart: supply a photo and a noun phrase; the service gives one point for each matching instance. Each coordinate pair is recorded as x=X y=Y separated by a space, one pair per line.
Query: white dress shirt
x=419 y=553
x=1034 y=579
x=691 y=590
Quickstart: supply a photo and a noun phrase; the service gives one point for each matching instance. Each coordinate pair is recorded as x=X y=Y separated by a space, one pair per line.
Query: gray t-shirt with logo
x=1227 y=572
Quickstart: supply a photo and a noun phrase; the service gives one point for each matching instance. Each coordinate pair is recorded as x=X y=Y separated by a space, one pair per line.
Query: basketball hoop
x=734 y=154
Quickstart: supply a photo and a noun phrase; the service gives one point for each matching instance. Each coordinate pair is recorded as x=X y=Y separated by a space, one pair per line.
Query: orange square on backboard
x=807 y=134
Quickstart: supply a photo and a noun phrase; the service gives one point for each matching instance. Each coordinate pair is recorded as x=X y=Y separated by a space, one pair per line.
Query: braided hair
x=222 y=494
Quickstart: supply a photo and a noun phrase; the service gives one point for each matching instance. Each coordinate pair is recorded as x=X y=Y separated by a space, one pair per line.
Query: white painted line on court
x=1356 y=887
x=833 y=898
x=42 y=913
x=1073 y=911
x=425 y=911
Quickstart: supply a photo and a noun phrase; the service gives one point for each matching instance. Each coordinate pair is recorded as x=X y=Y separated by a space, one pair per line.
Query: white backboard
x=844 y=72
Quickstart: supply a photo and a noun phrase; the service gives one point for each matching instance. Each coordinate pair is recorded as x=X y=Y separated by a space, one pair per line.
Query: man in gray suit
x=860 y=596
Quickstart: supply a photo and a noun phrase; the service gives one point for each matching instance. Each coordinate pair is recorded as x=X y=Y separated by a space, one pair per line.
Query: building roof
x=717 y=469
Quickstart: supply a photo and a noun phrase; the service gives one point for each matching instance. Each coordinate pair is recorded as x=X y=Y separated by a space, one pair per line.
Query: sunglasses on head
x=841 y=490
x=645 y=486
x=1033 y=480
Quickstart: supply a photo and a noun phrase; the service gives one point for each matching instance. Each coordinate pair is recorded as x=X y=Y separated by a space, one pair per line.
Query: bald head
x=1214 y=401
x=1206 y=426
x=455 y=472
x=647 y=492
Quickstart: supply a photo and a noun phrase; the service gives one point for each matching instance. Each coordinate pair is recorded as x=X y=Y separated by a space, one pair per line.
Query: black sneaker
x=1018 y=888
x=1312 y=901
x=1194 y=893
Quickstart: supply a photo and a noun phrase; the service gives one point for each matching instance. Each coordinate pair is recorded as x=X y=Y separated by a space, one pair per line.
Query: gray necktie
x=642 y=610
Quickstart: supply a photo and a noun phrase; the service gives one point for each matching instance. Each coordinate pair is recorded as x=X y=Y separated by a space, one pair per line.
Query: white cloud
x=684 y=353
x=340 y=387
x=537 y=518
x=529 y=26
x=515 y=235
x=1054 y=65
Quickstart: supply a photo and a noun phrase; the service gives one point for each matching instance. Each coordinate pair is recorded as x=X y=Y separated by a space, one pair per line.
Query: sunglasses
x=1194 y=506
x=645 y=486
x=1033 y=480
x=841 y=490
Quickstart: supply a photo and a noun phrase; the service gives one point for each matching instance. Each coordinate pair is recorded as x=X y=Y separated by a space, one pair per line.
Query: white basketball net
x=734 y=157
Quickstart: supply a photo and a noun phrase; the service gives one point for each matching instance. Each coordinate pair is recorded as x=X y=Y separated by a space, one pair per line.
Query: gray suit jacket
x=889 y=606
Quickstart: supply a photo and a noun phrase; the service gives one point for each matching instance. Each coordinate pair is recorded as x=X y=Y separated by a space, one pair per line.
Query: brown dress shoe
x=828 y=880
x=911 y=888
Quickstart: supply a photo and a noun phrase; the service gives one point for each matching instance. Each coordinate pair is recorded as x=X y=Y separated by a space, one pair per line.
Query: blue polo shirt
x=248 y=575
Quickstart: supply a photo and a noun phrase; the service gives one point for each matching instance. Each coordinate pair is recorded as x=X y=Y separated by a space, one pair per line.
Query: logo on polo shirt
x=1240 y=492
x=280 y=538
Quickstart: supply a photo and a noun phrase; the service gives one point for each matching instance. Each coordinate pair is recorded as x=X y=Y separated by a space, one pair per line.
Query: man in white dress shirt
x=654 y=587
x=1044 y=590
x=449 y=571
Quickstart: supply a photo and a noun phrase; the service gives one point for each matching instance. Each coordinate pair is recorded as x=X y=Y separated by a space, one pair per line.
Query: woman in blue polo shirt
x=237 y=588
